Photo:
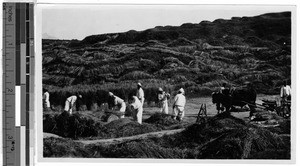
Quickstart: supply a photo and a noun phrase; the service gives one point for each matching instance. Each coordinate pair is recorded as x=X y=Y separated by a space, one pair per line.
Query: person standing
x=140 y=93
x=46 y=102
x=250 y=90
x=285 y=92
x=115 y=101
x=163 y=101
x=222 y=88
x=178 y=106
x=70 y=102
x=285 y=95
x=221 y=91
x=137 y=109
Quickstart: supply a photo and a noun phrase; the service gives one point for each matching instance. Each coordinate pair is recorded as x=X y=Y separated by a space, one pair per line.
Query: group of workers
x=136 y=101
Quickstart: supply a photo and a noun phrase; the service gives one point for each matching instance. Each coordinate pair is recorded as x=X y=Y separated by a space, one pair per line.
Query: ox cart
x=284 y=109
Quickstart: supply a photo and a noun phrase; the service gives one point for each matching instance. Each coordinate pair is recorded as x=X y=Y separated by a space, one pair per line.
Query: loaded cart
x=284 y=109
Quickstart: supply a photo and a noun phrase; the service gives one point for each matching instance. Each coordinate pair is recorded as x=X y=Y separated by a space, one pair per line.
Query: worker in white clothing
x=163 y=101
x=115 y=101
x=140 y=93
x=46 y=102
x=285 y=95
x=137 y=109
x=70 y=103
x=178 y=106
x=285 y=92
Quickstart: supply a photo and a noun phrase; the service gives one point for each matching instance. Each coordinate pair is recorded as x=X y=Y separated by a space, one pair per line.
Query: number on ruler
x=10 y=13
x=9 y=90
x=10 y=138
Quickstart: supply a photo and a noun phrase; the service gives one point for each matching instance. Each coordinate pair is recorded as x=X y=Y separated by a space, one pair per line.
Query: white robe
x=137 y=110
x=163 y=103
x=46 y=100
x=70 y=103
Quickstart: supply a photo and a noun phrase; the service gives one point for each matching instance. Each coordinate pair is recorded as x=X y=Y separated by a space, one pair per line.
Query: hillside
x=198 y=57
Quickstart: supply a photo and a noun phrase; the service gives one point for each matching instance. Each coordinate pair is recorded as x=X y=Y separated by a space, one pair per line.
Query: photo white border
x=92 y=160
x=38 y=81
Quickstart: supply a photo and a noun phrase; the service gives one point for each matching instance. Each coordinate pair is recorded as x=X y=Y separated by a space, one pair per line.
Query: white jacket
x=46 y=99
x=179 y=100
x=72 y=100
x=140 y=94
x=285 y=91
x=136 y=104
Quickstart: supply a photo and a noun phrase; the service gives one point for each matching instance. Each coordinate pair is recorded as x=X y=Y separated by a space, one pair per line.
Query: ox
x=235 y=97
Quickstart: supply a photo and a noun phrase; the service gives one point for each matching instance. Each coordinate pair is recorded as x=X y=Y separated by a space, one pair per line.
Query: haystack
x=60 y=147
x=72 y=126
x=220 y=137
x=125 y=127
x=161 y=119
x=140 y=149
x=227 y=137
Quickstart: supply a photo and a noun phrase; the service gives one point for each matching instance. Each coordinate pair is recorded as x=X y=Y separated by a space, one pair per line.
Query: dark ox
x=236 y=97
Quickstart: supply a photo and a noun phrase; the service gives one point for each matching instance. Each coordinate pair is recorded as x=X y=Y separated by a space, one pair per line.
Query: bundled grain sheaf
x=220 y=137
x=136 y=75
x=161 y=119
x=239 y=50
x=59 y=147
x=89 y=126
x=181 y=42
x=226 y=137
x=59 y=80
x=72 y=126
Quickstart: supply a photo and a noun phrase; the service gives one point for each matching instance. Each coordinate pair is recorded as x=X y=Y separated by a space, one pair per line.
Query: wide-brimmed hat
x=160 y=89
x=181 y=90
x=110 y=94
x=139 y=84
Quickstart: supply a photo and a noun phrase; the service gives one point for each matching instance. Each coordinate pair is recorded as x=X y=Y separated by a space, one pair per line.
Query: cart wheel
x=284 y=111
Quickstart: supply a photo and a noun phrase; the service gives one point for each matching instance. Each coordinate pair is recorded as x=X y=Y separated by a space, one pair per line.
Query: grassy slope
x=198 y=57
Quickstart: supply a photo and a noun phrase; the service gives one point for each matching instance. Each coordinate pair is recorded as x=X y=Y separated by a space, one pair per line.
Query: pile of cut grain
x=89 y=125
x=221 y=137
x=72 y=126
x=161 y=119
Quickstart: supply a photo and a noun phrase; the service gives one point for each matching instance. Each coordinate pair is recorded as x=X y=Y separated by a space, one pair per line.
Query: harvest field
x=162 y=137
x=198 y=57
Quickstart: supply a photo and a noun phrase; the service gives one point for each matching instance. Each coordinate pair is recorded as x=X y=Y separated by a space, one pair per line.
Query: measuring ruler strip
x=17 y=88
x=18 y=58
x=9 y=136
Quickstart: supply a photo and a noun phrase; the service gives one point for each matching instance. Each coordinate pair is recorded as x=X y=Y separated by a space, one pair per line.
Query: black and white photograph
x=192 y=82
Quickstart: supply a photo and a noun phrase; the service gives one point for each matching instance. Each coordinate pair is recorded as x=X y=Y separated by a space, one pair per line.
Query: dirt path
x=131 y=138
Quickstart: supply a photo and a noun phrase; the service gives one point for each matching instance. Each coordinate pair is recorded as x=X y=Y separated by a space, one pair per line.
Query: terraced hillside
x=197 y=57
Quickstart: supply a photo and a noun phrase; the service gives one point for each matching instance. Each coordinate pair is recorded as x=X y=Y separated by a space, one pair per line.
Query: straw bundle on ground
x=60 y=147
x=161 y=119
x=221 y=137
x=266 y=115
x=72 y=126
x=125 y=127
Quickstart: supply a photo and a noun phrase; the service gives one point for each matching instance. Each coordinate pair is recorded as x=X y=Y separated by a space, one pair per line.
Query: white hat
x=110 y=94
x=160 y=89
x=139 y=84
x=181 y=90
